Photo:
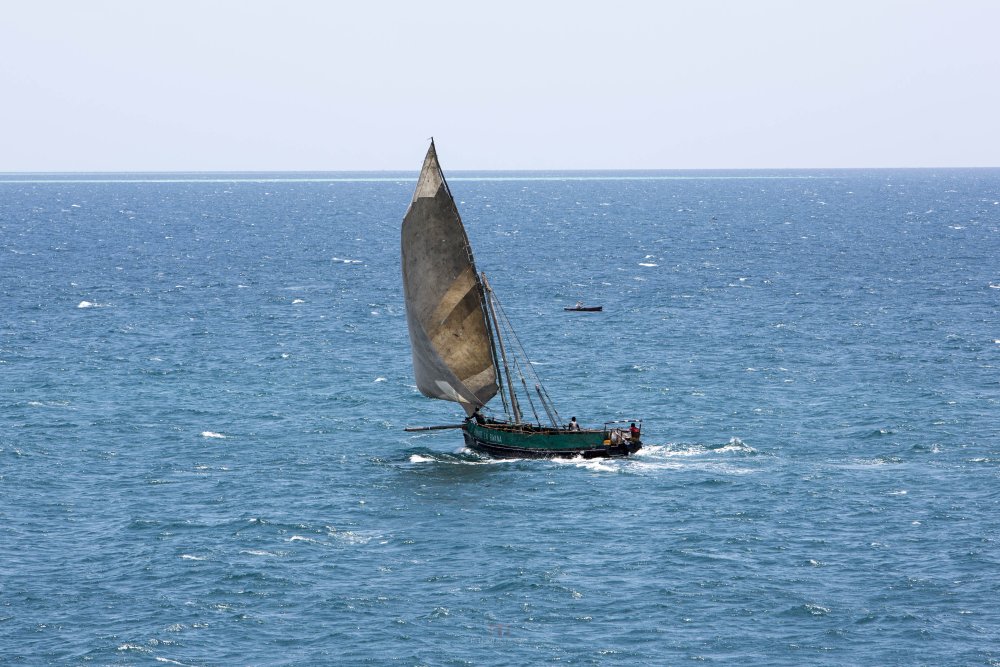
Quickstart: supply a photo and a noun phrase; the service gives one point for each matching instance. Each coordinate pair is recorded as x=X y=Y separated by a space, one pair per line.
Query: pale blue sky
x=181 y=85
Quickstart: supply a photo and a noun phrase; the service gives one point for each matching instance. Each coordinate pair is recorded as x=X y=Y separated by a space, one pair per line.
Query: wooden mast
x=503 y=352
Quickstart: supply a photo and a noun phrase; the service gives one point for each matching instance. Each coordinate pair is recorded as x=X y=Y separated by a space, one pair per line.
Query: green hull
x=506 y=440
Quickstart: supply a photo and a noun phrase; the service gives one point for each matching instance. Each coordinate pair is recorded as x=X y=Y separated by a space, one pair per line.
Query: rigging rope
x=543 y=395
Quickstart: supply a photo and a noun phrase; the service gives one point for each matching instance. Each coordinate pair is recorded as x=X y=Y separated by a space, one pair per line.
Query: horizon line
x=396 y=175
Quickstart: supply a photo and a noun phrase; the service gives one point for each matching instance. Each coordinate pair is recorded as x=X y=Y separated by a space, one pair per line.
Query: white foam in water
x=298 y=300
x=133 y=647
x=380 y=379
x=211 y=434
x=740 y=447
x=597 y=465
x=671 y=456
x=173 y=662
x=647 y=264
x=190 y=557
x=482 y=460
x=351 y=537
x=345 y=261
x=259 y=552
x=421 y=458
x=668 y=451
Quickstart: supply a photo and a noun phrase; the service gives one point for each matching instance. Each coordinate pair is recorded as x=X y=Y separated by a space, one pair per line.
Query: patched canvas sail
x=452 y=349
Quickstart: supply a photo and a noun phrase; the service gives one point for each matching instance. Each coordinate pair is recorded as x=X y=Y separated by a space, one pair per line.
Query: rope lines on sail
x=547 y=405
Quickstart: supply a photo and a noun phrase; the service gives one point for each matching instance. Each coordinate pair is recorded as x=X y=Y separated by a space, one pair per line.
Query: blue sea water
x=204 y=381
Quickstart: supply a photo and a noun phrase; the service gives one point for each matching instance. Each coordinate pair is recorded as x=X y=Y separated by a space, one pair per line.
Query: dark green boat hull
x=508 y=441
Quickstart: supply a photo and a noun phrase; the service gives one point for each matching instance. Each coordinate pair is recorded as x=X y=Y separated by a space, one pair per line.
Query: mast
x=495 y=326
x=486 y=303
x=501 y=321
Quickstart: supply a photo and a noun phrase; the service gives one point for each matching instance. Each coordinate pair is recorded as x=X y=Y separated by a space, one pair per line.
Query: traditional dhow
x=464 y=349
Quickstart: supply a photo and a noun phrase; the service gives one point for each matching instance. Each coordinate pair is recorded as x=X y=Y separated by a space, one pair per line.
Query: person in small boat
x=573 y=424
x=633 y=431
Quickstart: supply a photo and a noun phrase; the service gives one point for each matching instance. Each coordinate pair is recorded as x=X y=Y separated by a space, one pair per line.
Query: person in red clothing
x=634 y=432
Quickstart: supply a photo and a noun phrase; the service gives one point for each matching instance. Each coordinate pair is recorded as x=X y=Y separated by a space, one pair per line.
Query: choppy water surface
x=204 y=381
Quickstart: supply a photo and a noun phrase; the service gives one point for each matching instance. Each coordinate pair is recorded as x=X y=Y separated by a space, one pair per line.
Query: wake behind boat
x=465 y=350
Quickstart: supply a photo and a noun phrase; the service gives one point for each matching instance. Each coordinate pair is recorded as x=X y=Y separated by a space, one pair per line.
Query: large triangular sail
x=453 y=355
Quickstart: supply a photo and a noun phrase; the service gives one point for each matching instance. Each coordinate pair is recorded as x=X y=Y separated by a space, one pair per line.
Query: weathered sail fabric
x=452 y=350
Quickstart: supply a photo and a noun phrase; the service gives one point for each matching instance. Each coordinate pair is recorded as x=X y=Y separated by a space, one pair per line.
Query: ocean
x=204 y=380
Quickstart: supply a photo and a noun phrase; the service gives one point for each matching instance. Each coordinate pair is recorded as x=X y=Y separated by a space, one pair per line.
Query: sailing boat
x=460 y=350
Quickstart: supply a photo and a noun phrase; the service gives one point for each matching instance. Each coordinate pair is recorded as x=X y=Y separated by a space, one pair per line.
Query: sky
x=306 y=85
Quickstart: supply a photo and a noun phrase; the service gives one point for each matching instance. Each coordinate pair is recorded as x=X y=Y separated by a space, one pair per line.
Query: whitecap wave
x=260 y=552
x=735 y=445
x=48 y=404
x=173 y=662
x=133 y=647
x=670 y=451
x=212 y=434
x=464 y=456
x=352 y=538
x=597 y=465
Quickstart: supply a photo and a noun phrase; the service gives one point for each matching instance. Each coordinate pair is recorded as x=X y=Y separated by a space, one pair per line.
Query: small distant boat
x=465 y=350
x=580 y=308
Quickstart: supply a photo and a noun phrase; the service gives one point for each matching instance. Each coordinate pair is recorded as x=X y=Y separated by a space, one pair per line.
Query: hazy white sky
x=116 y=85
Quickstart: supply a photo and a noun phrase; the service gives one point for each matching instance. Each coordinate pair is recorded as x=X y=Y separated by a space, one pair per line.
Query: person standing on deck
x=573 y=424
